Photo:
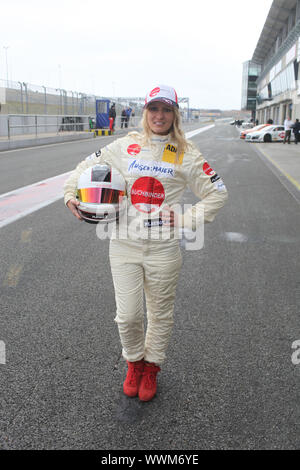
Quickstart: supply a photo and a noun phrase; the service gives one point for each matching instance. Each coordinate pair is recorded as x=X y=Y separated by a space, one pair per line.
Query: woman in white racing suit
x=157 y=165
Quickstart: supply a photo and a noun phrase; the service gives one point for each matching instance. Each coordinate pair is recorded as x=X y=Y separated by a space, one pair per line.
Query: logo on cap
x=163 y=93
x=165 y=100
x=154 y=92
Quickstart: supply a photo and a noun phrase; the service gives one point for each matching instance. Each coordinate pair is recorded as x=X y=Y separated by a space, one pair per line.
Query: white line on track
x=23 y=201
x=20 y=190
x=197 y=131
x=2 y=152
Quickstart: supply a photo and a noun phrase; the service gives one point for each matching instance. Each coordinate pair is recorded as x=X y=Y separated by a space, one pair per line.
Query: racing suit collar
x=160 y=138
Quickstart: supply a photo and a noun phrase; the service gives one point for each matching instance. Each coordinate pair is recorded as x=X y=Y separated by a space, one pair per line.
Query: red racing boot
x=133 y=378
x=147 y=388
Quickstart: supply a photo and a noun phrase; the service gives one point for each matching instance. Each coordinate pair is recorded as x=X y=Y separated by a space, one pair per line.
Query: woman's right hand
x=73 y=204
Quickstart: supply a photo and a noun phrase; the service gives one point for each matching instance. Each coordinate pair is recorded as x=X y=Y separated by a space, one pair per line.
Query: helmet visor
x=100 y=195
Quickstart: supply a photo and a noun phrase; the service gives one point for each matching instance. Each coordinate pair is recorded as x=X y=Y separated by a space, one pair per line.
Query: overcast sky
x=125 y=48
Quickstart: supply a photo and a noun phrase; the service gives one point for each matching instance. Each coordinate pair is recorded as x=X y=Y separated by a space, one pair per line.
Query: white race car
x=268 y=134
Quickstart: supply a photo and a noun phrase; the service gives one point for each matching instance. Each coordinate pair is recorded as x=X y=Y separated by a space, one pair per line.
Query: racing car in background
x=248 y=131
x=268 y=134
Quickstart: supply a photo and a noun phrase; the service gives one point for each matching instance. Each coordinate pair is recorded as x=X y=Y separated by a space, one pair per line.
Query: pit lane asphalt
x=228 y=382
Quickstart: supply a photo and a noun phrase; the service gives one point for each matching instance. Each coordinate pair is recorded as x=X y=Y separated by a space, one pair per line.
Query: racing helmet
x=101 y=192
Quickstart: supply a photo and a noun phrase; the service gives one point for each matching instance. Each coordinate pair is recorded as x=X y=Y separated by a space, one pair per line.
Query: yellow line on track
x=26 y=236
x=13 y=275
x=287 y=175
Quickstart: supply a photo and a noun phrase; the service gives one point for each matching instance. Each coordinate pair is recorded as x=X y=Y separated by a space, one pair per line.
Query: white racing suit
x=146 y=256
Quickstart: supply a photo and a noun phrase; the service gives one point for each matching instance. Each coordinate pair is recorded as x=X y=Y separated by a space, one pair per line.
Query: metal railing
x=28 y=99
x=25 y=98
x=23 y=125
x=16 y=125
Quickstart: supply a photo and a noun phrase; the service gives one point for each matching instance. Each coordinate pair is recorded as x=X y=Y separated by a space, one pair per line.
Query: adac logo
x=133 y=149
x=208 y=170
x=169 y=154
x=172 y=148
x=154 y=92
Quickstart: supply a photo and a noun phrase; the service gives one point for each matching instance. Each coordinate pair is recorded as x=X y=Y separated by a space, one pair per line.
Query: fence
x=25 y=98
x=33 y=109
x=14 y=125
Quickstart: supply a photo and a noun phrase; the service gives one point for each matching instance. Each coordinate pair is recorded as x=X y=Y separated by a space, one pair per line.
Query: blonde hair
x=176 y=132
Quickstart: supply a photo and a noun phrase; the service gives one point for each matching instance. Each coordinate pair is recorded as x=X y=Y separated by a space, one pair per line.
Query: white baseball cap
x=163 y=93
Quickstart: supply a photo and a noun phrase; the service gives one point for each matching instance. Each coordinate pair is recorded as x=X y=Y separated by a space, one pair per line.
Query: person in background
x=128 y=113
x=288 y=125
x=112 y=117
x=132 y=118
x=296 y=130
x=123 y=118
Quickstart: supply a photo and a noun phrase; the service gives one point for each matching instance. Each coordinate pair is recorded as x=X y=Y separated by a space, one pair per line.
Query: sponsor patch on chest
x=147 y=194
x=153 y=223
x=134 y=149
x=150 y=168
x=169 y=154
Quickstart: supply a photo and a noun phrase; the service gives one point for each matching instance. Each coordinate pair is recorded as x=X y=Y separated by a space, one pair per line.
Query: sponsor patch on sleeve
x=214 y=178
x=219 y=185
x=208 y=170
